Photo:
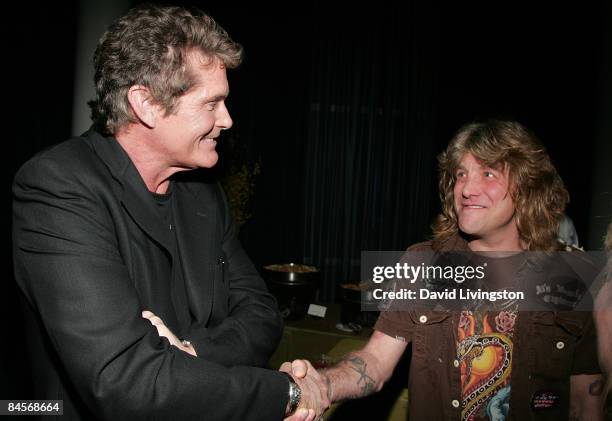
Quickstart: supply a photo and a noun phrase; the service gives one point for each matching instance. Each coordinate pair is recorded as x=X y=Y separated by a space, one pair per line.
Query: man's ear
x=143 y=105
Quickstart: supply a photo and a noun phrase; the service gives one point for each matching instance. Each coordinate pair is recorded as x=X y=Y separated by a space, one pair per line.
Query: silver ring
x=185 y=342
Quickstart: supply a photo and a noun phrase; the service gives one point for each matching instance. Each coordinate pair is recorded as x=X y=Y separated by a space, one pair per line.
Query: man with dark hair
x=500 y=193
x=140 y=302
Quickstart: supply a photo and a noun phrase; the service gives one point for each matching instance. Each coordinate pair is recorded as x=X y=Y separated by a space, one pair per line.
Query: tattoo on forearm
x=596 y=388
x=365 y=381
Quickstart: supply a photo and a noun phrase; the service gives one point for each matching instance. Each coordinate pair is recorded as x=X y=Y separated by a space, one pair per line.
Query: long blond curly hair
x=536 y=188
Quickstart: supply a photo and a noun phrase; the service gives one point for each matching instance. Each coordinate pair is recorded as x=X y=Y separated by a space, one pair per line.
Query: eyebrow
x=482 y=166
x=216 y=98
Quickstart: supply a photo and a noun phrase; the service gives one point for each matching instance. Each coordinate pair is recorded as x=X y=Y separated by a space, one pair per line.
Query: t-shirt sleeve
x=394 y=319
x=396 y=324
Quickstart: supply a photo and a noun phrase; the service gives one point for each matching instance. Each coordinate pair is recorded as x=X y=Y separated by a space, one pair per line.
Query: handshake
x=356 y=375
x=315 y=387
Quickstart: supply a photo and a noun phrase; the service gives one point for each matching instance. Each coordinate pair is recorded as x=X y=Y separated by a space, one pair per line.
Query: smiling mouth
x=473 y=207
x=209 y=140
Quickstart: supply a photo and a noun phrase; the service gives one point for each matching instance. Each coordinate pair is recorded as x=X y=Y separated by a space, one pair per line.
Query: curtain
x=368 y=157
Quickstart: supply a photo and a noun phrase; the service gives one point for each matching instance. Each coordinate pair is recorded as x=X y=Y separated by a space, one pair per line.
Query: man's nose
x=224 y=120
x=471 y=187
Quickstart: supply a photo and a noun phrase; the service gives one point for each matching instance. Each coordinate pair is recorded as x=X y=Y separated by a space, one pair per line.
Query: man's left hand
x=163 y=330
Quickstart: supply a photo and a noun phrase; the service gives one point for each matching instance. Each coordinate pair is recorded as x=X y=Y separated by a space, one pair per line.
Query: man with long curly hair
x=500 y=193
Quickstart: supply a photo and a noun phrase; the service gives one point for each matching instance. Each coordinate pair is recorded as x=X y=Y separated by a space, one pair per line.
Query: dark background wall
x=346 y=109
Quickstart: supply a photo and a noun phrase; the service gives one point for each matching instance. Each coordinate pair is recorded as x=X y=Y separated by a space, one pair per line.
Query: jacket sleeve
x=68 y=266
x=252 y=330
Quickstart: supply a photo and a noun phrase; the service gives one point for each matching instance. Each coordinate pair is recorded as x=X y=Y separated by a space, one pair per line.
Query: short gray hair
x=149 y=46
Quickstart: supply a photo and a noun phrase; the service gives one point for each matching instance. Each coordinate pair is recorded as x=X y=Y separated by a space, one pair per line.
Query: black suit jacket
x=91 y=253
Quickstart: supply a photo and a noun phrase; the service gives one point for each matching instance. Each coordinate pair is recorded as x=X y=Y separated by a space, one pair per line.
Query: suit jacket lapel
x=195 y=229
x=136 y=197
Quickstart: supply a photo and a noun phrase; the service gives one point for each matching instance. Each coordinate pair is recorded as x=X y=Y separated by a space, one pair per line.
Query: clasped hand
x=163 y=330
x=315 y=390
